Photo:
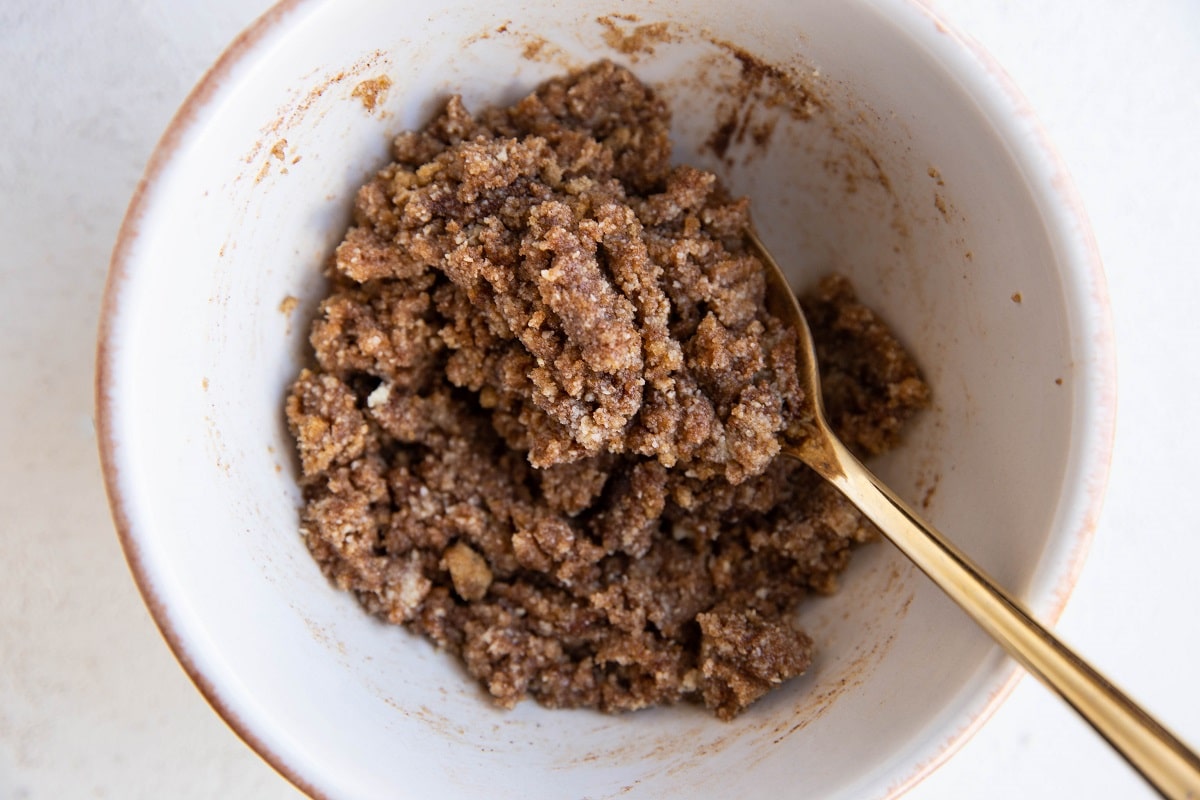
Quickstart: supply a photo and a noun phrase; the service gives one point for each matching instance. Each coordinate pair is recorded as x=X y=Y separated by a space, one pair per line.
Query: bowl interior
x=873 y=145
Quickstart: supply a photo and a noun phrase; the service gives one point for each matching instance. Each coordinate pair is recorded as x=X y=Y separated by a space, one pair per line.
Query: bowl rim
x=1095 y=403
x=189 y=113
x=987 y=80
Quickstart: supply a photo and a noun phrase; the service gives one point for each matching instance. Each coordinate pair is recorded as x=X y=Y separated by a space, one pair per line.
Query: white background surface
x=92 y=704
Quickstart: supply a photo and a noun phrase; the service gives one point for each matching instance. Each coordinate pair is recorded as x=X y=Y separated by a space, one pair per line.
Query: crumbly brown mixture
x=542 y=425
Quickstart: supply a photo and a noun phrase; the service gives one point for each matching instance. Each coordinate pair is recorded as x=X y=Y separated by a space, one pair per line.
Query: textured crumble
x=541 y=428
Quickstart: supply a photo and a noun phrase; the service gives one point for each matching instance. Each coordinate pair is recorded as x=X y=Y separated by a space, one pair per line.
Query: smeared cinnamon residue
x=760 y=86
x=638 y=40
x=372 y=91
x=939 y=203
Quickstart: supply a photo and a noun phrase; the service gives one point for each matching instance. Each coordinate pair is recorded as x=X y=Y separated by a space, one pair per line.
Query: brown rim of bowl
x=212 y=81
x=164 y=151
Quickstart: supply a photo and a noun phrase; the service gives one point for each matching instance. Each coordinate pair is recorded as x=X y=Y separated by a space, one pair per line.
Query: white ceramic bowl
x=919 y=172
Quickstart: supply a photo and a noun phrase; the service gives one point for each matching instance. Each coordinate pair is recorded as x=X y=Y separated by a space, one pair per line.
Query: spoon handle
x=1151 y=749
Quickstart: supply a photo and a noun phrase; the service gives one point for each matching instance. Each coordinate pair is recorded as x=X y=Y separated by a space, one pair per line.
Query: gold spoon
x=1151 y=749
